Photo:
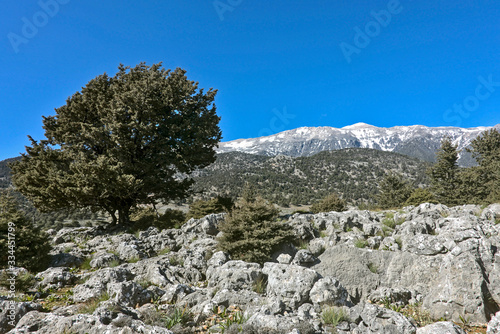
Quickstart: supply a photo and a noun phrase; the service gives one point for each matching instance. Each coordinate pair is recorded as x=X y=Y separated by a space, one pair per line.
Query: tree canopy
x=444 y=175
x=121 y=141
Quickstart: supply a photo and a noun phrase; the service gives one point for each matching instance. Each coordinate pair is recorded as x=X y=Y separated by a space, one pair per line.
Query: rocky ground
x=425 y=269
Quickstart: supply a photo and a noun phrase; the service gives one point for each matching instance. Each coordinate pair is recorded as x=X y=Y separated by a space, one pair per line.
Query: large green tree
x=393 y=191
x=444 y=174
x=125 y=140
x=486 y=150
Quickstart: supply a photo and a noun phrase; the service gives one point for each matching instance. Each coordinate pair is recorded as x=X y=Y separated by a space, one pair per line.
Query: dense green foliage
x=201 y=208
x=120 y=142
x=251 y=231
x=352 y=173
x=330 y=203
x=144 y=217
x=28 y=245
x=419 y=196
x=393 y=191
x=486 y=150
x=444 y=174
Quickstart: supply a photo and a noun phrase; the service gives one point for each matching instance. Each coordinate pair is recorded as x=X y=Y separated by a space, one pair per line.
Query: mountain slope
x=416 y=141
x=353 y=173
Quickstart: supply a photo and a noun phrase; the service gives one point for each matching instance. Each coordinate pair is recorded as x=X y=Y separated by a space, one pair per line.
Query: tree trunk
x=124 y=216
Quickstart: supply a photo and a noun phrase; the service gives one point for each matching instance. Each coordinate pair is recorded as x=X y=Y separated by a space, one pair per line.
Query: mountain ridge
x=415 y=140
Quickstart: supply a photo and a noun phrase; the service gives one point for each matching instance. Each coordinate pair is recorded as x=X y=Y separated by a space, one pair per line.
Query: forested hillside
x=352 y=173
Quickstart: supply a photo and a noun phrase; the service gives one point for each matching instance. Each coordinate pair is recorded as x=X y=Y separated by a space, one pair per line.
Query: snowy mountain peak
x=417 y=140
x=357 y=126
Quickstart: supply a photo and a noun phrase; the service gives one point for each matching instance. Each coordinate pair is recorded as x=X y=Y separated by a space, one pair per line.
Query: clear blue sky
x=277 y=64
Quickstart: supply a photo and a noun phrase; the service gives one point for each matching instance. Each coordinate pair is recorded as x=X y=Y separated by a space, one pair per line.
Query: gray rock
x=130 y=249
x=207 y=225
x=218 y=259
x=175 y=292
x=284 y=259
x=49 y=323
x=234 y=275
x=65 y=260
x=290 y=283
x=375 y=319
x=11 y=312
x=304 y=257
x=494 y=324
x=328 y=291
x=443 y=327
x=55 y=278
x=424 y=244
x=129 y=294
x=318 y=246
x=397 y=296
x=96 y=285
x=243 y=298
x=103 y=259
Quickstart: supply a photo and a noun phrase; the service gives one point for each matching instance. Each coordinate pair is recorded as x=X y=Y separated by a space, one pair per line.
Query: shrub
x=334 y=315
x=251 y=232
x=329 y=203
x=201 y=208
x=419 y=196
x=31 y=245
x=178 y=316
x=360 y=243
x=24 y=281
x=143 y=218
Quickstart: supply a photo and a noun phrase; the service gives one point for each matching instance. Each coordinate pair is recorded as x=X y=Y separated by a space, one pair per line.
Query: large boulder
x=234 y=275
x=290 y=283
x=98 y=281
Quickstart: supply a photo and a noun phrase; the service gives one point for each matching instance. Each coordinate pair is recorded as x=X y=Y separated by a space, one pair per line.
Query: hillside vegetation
x=353 y=173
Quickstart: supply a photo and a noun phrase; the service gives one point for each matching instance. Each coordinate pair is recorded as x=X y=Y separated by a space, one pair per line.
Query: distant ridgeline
x=45 y=220
x=353 y=173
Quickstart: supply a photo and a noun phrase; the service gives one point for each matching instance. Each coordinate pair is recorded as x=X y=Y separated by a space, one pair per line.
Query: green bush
x=28 y=244
x=201 y=208
x=393 y=191
x=419 y=196
x=24 y=281
x=334 y=315
x=331 y=203
x=143 y=218
x=251 y=232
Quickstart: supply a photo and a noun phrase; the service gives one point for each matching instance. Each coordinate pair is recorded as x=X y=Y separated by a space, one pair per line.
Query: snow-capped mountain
x=418 y=141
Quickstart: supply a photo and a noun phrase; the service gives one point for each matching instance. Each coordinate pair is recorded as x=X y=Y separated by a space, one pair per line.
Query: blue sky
x=277 y=64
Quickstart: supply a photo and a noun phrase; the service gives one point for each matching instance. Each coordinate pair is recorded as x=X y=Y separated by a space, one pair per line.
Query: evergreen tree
x=120 y=142
x=393 y=191
x=445 y=181
x=29 y=247
x=251 y=232
x=486 y=150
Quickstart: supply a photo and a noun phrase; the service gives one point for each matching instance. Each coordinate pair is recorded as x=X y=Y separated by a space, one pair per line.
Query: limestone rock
x=234 y=275
x=443 y=327
x=291 y=283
